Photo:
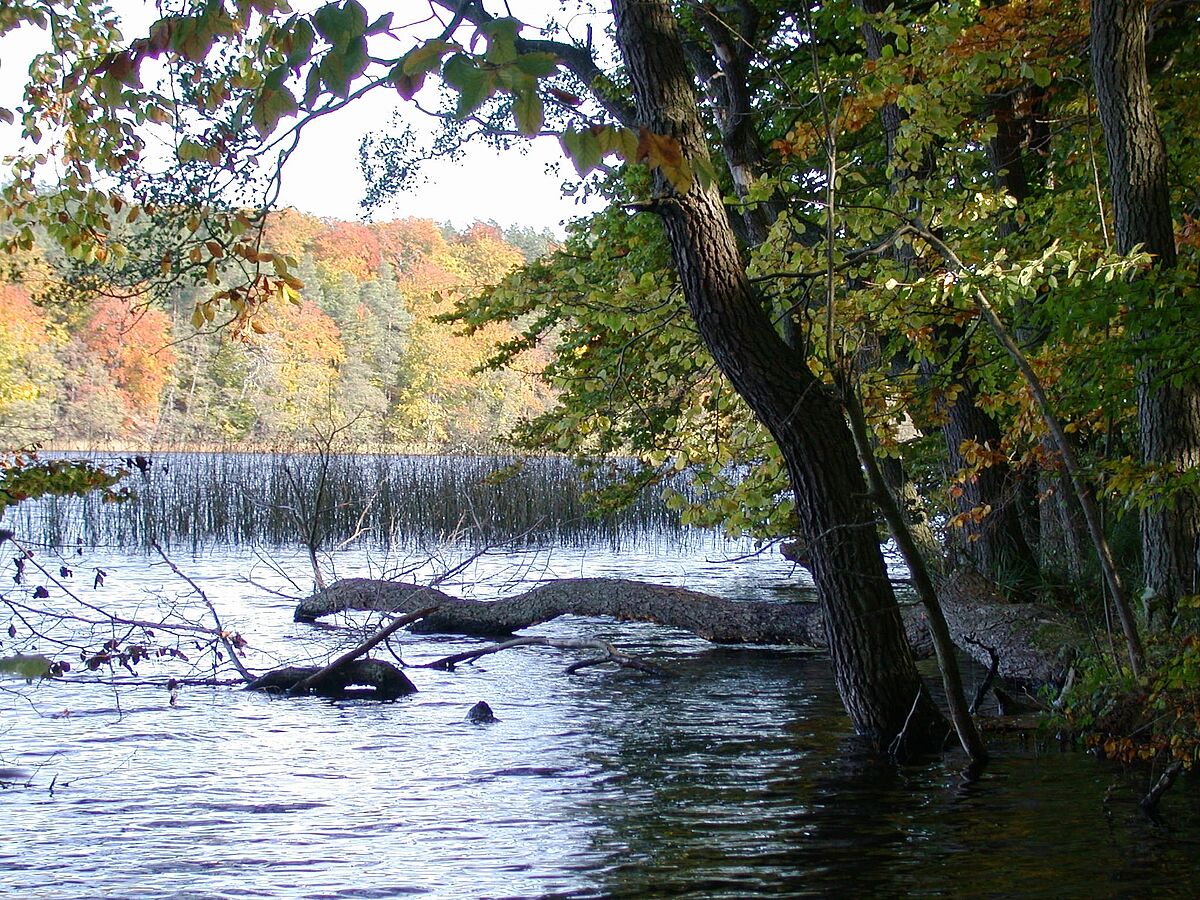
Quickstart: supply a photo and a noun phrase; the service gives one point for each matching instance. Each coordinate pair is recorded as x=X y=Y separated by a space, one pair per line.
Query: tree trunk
x=732 y=33
x=712 y=618
x=874 y=669
x=1168 y=413
x=996 y=544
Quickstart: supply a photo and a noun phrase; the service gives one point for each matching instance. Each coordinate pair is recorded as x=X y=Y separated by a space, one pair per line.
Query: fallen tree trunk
x=1026 y=638
x=712 y=618
x=1033 y=645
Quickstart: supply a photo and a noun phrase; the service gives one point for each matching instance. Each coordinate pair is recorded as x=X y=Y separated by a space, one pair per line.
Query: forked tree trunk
x=874 y=669
x=1168 y=406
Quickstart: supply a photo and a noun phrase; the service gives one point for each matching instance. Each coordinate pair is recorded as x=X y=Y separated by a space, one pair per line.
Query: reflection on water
x=736 y=778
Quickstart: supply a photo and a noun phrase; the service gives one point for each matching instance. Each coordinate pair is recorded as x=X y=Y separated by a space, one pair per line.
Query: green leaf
x=272 y=106
x=191 y=39
x=614 y=139
x=301 y=42
x=190 y=151
x=527 y=108
x=582 y=148
x=341 y=25
x=342 y=66
x=502 y=40
x=471 y=82
x=312 y=86
x=380 y=25
x=539 y=65
x=706 y=175
x=425 y=58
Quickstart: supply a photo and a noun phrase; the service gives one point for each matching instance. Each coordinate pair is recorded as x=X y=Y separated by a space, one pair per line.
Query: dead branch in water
x=608 y=654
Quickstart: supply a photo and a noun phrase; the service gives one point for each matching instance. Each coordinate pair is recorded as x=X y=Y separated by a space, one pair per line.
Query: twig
x=993 y=668
x=898 y=742
x=221 y=633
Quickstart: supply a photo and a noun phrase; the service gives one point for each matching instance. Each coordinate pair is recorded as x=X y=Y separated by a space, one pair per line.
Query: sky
x=510 y=187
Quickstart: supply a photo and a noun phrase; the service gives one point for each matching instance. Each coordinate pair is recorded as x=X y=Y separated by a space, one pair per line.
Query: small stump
x=370 y=679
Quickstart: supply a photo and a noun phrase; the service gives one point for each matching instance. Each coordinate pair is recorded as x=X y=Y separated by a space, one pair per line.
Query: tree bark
x=1033 y=644
x=712 y=618
x=873 y=667
x=1168 y=410
x=996 y=543
x=732 y=33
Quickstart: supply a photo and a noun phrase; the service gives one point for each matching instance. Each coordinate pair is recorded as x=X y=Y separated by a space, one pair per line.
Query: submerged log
x=368 y=678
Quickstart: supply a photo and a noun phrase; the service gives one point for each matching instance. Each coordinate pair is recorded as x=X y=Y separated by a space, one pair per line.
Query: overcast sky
x=511 y=187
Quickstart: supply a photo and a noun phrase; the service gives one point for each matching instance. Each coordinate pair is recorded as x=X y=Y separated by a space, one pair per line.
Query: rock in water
x=481 y=712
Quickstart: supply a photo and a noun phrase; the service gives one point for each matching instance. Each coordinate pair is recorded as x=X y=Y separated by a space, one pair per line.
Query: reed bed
x=197 y=500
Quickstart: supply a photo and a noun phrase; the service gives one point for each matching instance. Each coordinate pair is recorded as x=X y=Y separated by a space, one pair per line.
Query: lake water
x=736 y=778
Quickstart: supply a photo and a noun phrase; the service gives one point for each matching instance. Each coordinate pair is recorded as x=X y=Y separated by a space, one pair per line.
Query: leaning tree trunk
x=1168 y=409
x=874 y=670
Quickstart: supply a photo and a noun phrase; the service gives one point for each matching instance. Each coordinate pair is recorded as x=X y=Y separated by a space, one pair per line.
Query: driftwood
x=1030 y=643
x=382 y=680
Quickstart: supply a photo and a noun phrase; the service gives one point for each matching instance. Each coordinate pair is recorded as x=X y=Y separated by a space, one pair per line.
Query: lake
x=735 y=778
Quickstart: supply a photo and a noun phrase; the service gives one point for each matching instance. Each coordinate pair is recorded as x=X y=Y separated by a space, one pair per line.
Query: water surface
x=736 y=778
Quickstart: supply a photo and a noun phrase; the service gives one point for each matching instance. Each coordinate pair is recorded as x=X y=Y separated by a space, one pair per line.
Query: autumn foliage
x=361 y=345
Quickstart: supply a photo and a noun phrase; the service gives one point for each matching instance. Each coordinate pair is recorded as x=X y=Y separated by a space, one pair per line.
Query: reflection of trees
x=708 y=790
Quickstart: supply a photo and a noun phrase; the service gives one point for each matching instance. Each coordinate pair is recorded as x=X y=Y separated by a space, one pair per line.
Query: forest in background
x=361 y=353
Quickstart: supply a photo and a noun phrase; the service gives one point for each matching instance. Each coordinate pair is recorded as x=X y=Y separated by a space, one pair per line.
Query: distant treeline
x=361 y=354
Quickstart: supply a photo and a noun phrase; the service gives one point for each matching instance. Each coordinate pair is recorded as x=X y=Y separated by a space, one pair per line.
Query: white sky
x=511 y=187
